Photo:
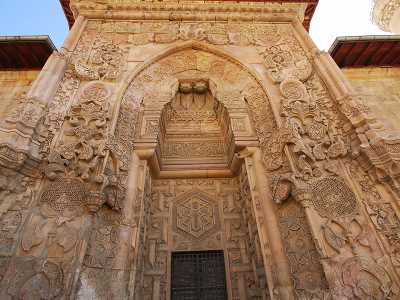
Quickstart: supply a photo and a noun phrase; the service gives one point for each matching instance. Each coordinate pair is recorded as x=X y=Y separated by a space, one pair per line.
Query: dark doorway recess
x=198 y=275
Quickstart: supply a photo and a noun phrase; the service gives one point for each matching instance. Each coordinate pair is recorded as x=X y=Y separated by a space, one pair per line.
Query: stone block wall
x=12 y=85
x=380 y=90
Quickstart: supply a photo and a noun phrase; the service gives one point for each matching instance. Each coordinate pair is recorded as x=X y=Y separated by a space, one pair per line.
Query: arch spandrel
x=154 y=84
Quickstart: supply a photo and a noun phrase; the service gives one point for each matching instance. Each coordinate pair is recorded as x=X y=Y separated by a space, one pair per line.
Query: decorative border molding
x=189 y=10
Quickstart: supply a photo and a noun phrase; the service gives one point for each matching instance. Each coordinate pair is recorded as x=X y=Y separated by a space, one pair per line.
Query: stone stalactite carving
x=193 y=126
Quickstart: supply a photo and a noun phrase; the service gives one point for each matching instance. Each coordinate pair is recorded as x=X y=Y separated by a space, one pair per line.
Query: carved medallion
x=333 y=198
x=195 y=215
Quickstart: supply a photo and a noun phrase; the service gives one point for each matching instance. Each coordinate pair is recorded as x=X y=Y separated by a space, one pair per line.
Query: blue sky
x=33 y=17
x=332 y=18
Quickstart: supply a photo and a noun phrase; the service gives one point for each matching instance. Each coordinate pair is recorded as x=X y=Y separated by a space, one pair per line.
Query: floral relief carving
x=84 y=147
x=48 y=242
x=56 y=110
x=326 y=238
x=381 y=212
x=27 y=111
x=100 y=60
x=285 y=59
x=384 y=11
x=317 y=135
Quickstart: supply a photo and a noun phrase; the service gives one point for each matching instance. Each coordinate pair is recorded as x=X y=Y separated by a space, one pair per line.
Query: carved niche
x=194 y=128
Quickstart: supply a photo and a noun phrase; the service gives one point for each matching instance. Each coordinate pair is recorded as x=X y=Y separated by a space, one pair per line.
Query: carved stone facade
x=184 y=126
x=386 y=15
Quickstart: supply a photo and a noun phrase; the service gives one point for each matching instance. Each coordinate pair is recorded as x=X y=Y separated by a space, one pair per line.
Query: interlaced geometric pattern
x=195 y=216
x=64 y=194
x=333 y=198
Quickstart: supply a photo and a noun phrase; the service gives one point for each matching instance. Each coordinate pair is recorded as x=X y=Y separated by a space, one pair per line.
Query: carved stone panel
x=304 y=260
x=196 y=215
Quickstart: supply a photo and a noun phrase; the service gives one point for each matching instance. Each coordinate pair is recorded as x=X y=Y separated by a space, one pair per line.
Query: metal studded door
x=198 y=275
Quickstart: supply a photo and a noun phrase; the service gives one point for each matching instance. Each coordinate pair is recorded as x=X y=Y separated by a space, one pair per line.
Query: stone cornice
x=188 y=10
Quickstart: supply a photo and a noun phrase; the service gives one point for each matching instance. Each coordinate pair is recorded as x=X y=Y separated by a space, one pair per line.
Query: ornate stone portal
x=185 y=126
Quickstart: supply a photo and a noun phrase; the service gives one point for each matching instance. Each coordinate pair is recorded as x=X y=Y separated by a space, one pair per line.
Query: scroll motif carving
x=318 y=132
x=84 y=147
x=363 y=278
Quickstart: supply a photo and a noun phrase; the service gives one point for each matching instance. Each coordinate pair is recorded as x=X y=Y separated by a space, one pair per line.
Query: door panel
x=198 y=275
